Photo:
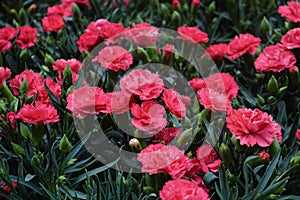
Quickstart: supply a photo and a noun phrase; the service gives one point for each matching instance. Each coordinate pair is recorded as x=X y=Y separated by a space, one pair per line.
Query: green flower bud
x=5 y=91
x=148 y=190
x=135 y=144
x=64 y=145
x=295 y=161
x=18 y=149
x=272 y=85
x=143 y=55
x=24 y=55
x=25 y=132
x=22 y=16
x=67 y=78
x=176 y=19
x=164 y=10
x=37 y=134
x=49 y=60
x=265 y=25
x=275 y=147
x=261 y=100
x=236 y=143
x=276 y=36
x=71 y=162
x=211 y=7
x=271 y=99
x=282 y=89
x=23 y=87
x=185 y=138
x=76 y=12
x=61 y=179
x=225 y=154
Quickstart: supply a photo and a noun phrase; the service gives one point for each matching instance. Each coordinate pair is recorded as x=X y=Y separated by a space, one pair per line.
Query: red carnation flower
x=144 y=34
x=242 y=44
x=149 y=117
x=27 y=37
x=193 y=34
x=275 y=58
x=7 y=188
x=253 y=127
x=83 y=2
x=38 y=113
x=182 y=189
x=114 y=58
x=8 y=33
x=64 y=10
x=291 y=11
x=60 y=65
x=4 y=75
x=157 y=158
x=4 y=45
x=174 y=103
x=208 y=158
x=291 y=40
x=298 y=134
x=88 y=100
x=217 y=51
x=53 y=23
x=110 y=30
x=87 y=41
x=142 y=83
x=167 y=135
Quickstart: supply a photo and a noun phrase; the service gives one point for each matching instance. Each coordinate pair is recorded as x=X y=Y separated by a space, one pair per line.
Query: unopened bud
x=185 y=138
x=135 y=144
x=76 y=12
x=225 y=154
x=272 y=85
x=265 y=25
x=24 y=55
x=275 y=147
x=211 y=7
x=64 y=145
x=22 y=16
x=32 y=8
x=23 y=87
x=176 y=19
x=18 y=149
x=271 y=99
x=49 y=60
x=263 y=155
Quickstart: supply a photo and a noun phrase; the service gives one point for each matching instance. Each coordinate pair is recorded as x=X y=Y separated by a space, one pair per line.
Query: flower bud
x=261 y=100
x=185 y=138
x=164 y=9
x=64 y=145
x=272 y=85
x=25 y=132
x=225 y=154
x=67 y=78
x=176 y=19
x=294 y=74
x=235 y=142
x=281 y=90
x=263 y=155
x=143 y=55
x=295 y=161
x=22 y=16
x=265 y=25
x=276 y=36
x=135 y=144
x=23 y=55
x=76 y=12
x=271 y=99
x=48 y=60
x=71 y=162
x=23 y=87
x=37 y=134
x=5 y=91
x=18 y=149
x=175 y=3
x=275 y=147
x=61 y=179
x=32 y=8
x=211 y=7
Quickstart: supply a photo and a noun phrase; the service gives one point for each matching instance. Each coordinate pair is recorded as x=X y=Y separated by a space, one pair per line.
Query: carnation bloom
x=4 y=75
x=216 y=91
x=291 y=40
x=114 y=58
x=144 y=34
x=83 y=2
x=53 y=23
x=142 y=83
x=253 y=127
x=167 y=135
x=298 y=134
x=275 y=58
x=8 y=33
x=290 y=11
x=217 y=51
x=120 y=101
x=157 y=158
x=174 y=103
x=193 y=34
x=88 y=100
x=242 y=44
x=182 y=189
x=263 y=155
x=87 y=41
x=111 y=29
x=4 y=45
x=38 y=113
x=208 y=158
x=64 y=10
x=149 y=117
x=27 y=37
x=60 y=65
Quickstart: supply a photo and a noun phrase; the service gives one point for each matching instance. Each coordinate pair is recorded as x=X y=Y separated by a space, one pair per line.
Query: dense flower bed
x=149 y=100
